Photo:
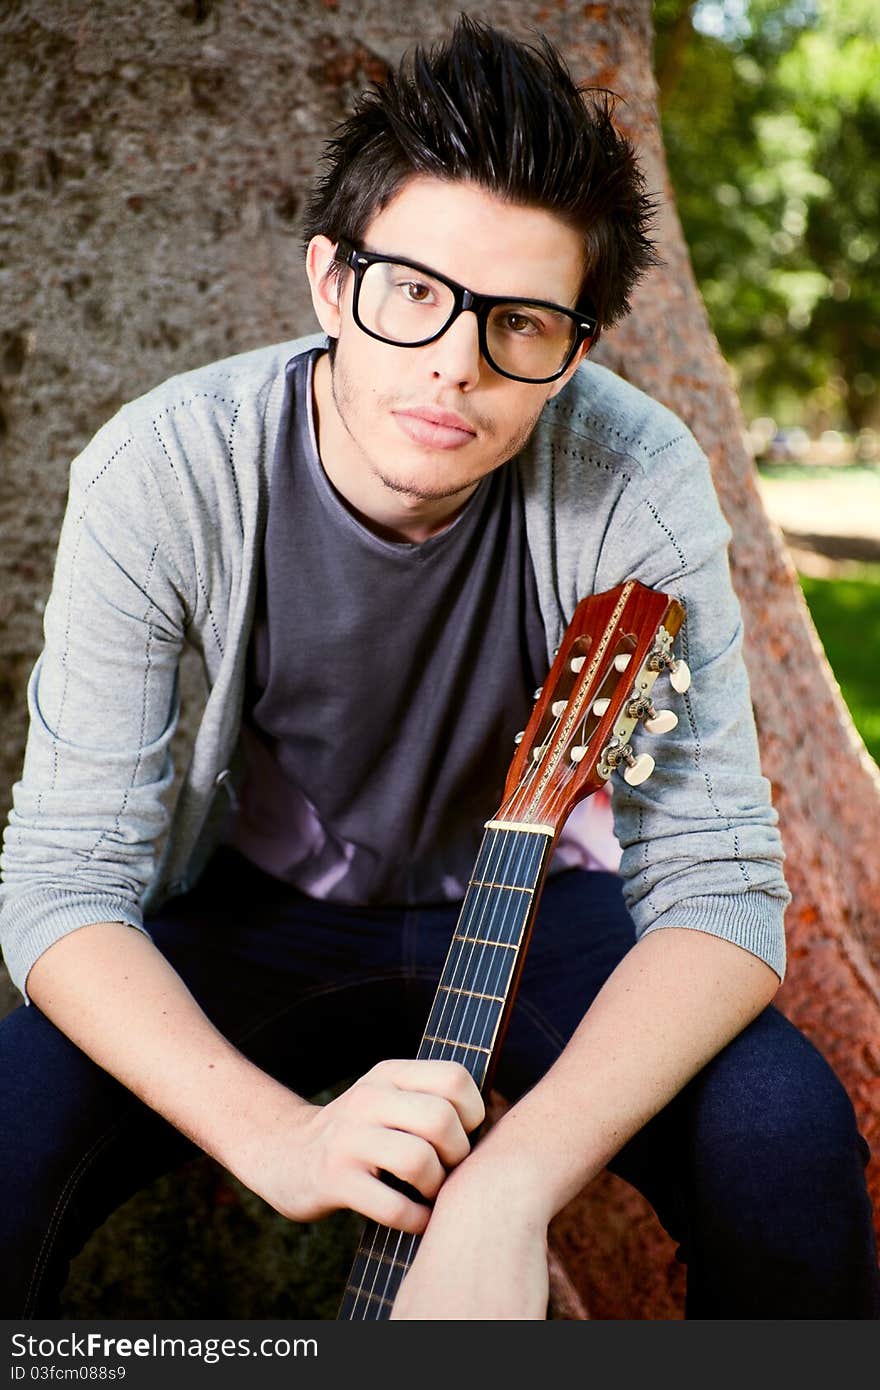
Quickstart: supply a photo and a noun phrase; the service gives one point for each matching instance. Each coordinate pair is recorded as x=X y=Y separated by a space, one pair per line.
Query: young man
x=375 y=540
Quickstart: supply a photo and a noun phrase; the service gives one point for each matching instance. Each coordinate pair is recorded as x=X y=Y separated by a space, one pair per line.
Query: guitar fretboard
x=465 y=1021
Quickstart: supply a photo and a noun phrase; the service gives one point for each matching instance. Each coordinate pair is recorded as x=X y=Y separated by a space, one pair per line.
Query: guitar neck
x=598 y=689
x=467 y=1020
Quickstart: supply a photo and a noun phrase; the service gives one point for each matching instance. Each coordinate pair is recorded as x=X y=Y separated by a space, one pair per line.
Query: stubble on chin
x=344 y=397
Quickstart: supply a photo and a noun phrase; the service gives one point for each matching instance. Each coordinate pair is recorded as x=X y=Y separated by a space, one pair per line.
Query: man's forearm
x=672 y=1003
x=115 y=995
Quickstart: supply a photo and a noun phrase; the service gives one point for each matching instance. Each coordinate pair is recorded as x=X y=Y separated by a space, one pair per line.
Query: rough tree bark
x=152 y=166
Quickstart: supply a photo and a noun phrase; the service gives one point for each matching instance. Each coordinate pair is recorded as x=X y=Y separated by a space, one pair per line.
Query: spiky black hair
x=485 y=108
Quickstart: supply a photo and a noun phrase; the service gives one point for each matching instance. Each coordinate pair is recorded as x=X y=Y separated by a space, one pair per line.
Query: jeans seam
x=64 y=1199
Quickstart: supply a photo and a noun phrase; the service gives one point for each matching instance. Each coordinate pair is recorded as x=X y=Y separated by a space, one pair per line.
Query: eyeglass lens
x=407 y=307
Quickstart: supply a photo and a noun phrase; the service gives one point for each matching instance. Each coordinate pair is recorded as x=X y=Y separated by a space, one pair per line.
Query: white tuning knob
x=600 y=707
x=680 y=676
x=622 y=661
x=518 y=738
x=538 y=693
x=577 y=663
x=578 y=753
x=558 y=708
x=538 y=753
x=662 y=722
x=639 y=770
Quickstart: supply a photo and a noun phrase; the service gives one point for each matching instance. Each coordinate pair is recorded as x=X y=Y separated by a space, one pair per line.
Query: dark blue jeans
x=756 y=1168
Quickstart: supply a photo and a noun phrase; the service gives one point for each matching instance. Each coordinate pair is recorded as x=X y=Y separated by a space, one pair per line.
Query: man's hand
x=117 y=997
x=482 y=1257
x=409 y=1118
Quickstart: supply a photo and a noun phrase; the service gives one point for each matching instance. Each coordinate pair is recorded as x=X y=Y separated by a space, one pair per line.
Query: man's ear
x=325 y=286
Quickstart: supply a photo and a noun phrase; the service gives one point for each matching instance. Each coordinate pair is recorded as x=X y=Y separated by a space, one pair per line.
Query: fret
x=510 y=856
x=470 y=1017
x=363 y=1305
x=455 y=1042
x=367 y=1293
x=387 y=1262
x=374 y=1269
x=486 y=941
x=471 y=993
x=512 y=887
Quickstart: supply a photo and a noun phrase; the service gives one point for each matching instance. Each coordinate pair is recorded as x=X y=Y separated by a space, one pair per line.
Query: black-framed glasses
x=410 y=305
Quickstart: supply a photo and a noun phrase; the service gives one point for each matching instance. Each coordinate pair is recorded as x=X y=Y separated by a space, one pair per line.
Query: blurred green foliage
x=771 y=121
x=846 y=612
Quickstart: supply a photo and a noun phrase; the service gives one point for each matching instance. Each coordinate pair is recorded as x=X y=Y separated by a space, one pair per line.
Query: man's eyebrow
x=401 y=259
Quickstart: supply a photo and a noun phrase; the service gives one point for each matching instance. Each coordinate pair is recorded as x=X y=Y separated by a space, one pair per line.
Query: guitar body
x=598 y=689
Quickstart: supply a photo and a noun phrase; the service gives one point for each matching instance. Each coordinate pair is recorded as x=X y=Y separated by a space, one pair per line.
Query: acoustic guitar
x=598 y=690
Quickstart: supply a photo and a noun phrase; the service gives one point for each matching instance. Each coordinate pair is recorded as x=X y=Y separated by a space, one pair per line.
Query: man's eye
x=521 y=324
x=415 y=291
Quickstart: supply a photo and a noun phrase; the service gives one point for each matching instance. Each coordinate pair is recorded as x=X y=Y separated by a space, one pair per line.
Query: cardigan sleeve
x=91 y=804
x=699 y=839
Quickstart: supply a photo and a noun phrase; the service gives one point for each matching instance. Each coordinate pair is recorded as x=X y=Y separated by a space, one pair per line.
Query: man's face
x=427 y=423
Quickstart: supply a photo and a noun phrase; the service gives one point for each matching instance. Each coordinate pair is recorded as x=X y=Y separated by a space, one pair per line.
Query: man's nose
x=456 y=354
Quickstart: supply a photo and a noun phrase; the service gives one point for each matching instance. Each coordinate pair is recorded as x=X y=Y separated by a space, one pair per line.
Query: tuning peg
x=558 y=708
x=679 y=671
x=518 y=738
x=577 y=663
x=680 y=676
x=639 y=769
x=600 y=707
x=622 y=661
x=578 y=752
x=656 y=721
x=661 y=721
x=538 y=753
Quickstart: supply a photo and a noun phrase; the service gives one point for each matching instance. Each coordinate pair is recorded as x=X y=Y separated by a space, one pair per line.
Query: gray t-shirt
x=384 y=693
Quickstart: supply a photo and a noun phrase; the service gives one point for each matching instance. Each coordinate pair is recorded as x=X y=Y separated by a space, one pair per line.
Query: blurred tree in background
x=771 y=120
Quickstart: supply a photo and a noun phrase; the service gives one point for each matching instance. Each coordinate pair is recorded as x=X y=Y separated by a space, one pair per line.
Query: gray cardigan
x=161 y=545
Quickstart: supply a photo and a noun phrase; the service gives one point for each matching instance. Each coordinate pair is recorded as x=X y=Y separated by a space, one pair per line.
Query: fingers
x=431 y=1118
x=379 y=1202
x=410 y=1119
x=409 y=1158
x=449 y=1080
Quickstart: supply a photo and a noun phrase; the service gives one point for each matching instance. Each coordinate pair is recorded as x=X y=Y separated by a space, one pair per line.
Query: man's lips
x=439 y=429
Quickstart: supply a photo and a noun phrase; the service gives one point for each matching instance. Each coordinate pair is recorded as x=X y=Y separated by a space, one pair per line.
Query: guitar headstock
x=597 y=690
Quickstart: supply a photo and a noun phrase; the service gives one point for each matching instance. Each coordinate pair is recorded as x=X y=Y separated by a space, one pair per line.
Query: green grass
x=846 y=613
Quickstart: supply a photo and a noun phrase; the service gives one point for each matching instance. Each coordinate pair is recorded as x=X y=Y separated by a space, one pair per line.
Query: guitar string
x=525 y=783
x=482 y=954
x=384 y=1255
x=499 y=972
x=443 y=1025
x=569 y=774
x=489 y=875
x=527 y=779
x=509 y=933
x=497 y=840
x=501 y=852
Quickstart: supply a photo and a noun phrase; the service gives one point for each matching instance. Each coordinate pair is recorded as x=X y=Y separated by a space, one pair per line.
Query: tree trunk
x=825 y=786
x=153 y=165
